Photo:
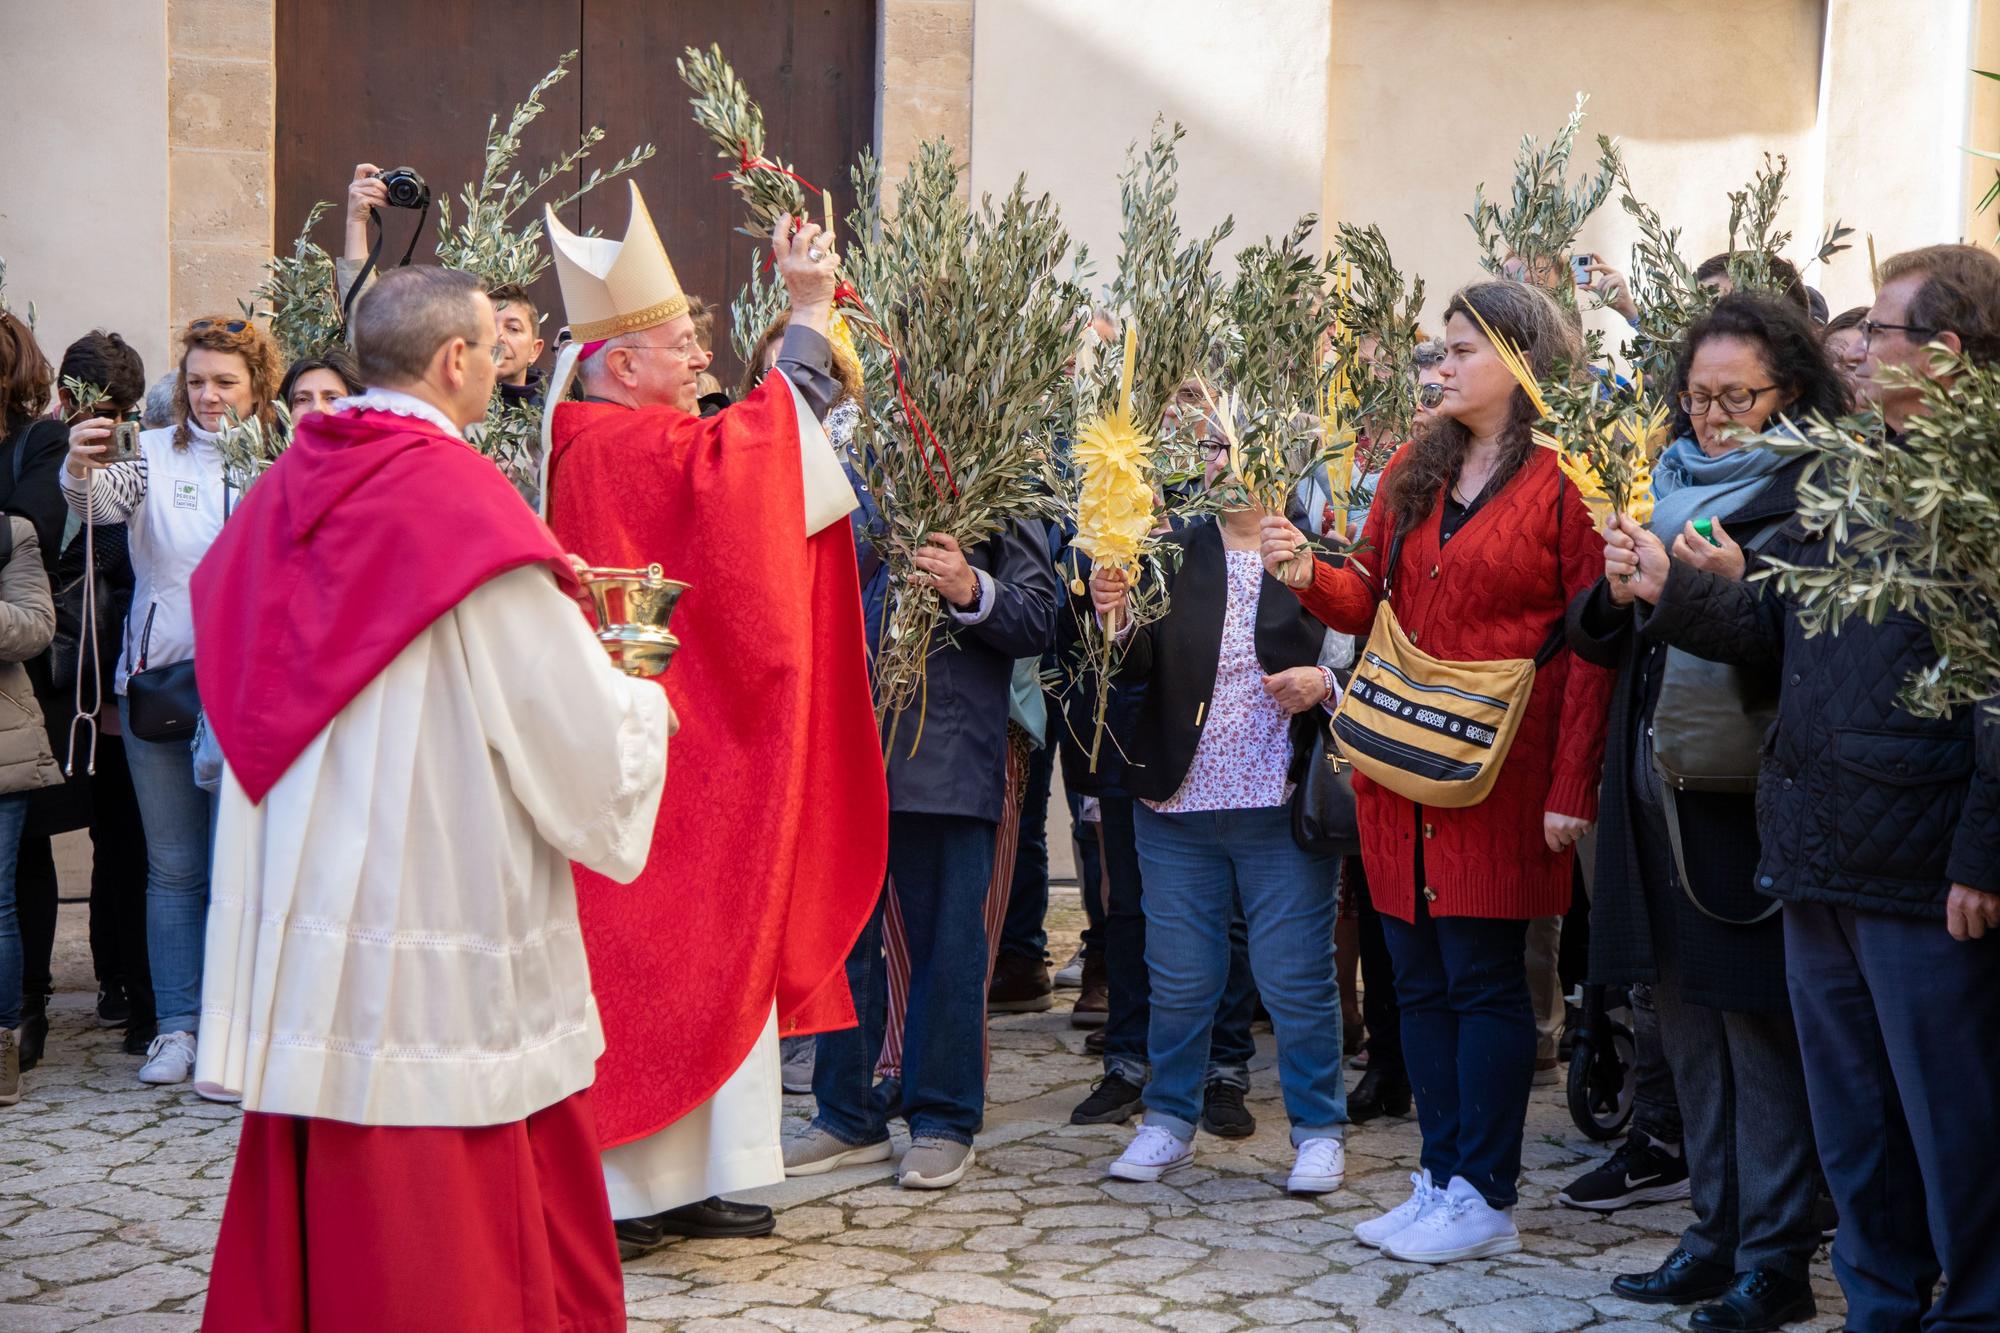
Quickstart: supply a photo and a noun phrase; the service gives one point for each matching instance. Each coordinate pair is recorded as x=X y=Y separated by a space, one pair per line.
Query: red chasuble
x=773 y=838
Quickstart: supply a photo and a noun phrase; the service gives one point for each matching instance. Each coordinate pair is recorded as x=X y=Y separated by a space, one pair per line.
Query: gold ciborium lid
x=632 y=608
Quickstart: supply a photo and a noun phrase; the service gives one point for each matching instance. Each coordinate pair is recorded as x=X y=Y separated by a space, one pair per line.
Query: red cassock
x=773 y=838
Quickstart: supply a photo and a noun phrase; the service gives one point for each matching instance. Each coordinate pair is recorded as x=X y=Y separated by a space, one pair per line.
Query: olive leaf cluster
x=85 y=398
x=1378 y=306
x=249 y=445
x=1912 y=525
x=1663 y=287
x=27 y=313
x=979 y=308
x=1539 y=225
x=757 y=303
x=1167 y=290
x=724 y=110
x=299 y=297
x=1275 y=372
x=487 y=242
x=1755 y=236
x=511 y=436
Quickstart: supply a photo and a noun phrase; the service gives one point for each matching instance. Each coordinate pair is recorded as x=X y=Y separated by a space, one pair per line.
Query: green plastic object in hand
x=1706 y=527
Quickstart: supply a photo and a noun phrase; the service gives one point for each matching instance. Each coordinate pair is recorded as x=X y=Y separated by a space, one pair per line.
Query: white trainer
x=1070 y=975
x=1319 y=1168
x=1422 y=1199
x=1462 y=1226
x=170 y=1059
x=1153 y=1152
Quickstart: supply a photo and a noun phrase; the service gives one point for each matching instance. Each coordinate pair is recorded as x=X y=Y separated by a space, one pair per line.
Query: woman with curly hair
x=1495 y=544
x=172 y=500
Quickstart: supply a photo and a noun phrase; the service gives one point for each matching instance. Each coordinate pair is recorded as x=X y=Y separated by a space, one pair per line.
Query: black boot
x=1378 y=1094
x=34 y=1030
x=1759 y=1300
x=1223 y=1113
x=1682 y=1280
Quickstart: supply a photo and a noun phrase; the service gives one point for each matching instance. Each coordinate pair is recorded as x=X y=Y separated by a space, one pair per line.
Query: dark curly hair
x=1788 y=343
x=1545 y=334
x=25 y=375
x=109 y=362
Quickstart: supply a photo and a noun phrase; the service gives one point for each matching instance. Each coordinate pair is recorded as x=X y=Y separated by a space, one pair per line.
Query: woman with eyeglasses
x=171 y=499
x=1235 y=689
x=1676 y=905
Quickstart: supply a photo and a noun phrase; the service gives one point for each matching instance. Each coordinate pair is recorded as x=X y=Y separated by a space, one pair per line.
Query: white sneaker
x=1153 y=1152
x=1070 y=975
x=1422 y=1199
x=1461 y=1226
x=1319 y=1168
x=170 y=1059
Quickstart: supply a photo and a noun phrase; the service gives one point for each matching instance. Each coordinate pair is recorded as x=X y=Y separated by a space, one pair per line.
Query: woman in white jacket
x=172 y=499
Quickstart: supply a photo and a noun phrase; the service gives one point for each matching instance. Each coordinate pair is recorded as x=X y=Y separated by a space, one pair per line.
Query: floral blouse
x=1244 y=757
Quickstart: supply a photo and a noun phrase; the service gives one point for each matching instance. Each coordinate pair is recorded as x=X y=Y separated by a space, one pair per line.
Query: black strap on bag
x=1557 y=636
x=163 y=703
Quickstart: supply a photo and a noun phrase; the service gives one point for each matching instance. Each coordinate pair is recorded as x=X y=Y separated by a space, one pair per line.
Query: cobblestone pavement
x=110 y=1195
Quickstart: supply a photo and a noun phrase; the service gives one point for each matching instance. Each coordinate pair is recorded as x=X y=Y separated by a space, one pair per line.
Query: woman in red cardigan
x=1497 y=544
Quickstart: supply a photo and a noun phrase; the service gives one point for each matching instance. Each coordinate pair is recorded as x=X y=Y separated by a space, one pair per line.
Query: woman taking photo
x=1676 y=906
x=1234 y=694
x=1495 y=544
x=171 y=500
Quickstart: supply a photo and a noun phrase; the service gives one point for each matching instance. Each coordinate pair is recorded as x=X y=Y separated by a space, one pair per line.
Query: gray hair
x=594 y=368
x=408 y=314
x=159 y=410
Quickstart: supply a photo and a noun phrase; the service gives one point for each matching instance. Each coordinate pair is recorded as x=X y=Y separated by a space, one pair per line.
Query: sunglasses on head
x=226 y=325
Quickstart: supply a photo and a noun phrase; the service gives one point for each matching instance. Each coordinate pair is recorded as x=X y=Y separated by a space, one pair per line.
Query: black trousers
x=1379 y=1009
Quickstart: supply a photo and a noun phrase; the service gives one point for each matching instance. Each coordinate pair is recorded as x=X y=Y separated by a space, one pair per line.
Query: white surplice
x=392 y=933
x=727 y=1144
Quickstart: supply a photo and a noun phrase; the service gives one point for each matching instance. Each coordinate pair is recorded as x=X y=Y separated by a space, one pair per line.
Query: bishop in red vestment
x=770 y=863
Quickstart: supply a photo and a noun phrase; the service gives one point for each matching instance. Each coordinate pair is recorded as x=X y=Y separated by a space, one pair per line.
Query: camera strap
x=375 y=253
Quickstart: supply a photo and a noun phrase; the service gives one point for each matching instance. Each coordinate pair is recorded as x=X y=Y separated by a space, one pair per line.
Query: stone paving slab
x=111 y=1194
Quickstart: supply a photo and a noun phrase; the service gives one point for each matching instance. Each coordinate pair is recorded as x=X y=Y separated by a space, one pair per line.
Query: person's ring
x=813 y=253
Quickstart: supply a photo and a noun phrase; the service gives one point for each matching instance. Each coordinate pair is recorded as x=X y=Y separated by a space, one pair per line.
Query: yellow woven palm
x=1115 y=501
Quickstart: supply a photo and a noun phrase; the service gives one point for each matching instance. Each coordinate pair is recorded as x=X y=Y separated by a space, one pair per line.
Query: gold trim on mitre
x=613 y=287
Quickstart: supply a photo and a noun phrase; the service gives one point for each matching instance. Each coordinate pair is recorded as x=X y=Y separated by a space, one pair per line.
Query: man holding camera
x=421 y=734
x=773 y=859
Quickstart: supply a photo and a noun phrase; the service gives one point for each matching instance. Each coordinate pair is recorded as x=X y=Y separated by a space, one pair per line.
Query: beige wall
x=1060 y=89
x=221 y=124
x=83 y=215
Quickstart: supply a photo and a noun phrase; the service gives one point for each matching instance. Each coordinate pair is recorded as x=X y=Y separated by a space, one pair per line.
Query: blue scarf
x=1688 y=484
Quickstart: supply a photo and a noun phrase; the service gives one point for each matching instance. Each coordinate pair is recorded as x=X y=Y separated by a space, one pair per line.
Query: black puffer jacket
x=1859 y=803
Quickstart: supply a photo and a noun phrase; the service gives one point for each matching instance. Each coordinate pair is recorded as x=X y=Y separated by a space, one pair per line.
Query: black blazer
x=1178 y=654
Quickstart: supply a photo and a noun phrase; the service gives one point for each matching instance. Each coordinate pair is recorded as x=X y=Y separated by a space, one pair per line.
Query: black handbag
x=1324 y=821
x=162 y=703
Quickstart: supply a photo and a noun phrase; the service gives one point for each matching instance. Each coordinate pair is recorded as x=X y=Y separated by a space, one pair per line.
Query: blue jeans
x=1023 y=931
x=939 y=869
x=180 y=825
x=1468 y=1041
x=1896 y=1023
x=1197 y=869
x=1231 y=1046
x=13 y=817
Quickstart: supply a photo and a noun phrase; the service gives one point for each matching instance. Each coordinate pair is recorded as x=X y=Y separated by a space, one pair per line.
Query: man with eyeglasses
x=1881 y=835
x=767 y=863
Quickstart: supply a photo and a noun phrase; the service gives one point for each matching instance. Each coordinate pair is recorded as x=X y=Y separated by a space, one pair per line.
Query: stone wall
x=926 y=85
x=221 y=117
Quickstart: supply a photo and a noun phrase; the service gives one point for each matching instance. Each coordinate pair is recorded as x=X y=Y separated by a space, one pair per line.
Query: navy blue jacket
x=959 y=765
x=1859 y=803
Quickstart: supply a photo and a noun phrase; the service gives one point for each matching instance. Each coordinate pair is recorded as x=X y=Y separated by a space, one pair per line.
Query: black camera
x=406 y=188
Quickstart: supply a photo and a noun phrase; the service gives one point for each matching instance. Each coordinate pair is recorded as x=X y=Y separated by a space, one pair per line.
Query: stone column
x=926 y=87
x=221 y=119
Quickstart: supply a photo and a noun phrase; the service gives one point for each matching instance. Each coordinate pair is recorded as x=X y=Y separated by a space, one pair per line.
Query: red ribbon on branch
x=844 y=294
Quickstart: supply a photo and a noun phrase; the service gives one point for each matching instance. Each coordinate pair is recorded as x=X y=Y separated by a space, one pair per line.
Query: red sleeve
x=1586 y=702
x=1342 y=597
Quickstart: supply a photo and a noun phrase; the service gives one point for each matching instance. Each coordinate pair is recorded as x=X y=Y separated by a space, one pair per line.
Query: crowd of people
x=1809 y=968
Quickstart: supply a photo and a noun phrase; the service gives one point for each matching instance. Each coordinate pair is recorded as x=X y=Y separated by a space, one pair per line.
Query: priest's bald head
x=429 y=332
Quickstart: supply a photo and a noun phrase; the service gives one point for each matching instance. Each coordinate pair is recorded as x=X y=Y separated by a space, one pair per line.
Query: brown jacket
x=27 y=623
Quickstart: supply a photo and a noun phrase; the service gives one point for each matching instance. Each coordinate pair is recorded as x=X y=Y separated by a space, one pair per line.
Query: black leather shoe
x=713 y=1218
x=1758 y=1300
x=1223 y=1113
x=1377 y=1094
x=1681 y=1280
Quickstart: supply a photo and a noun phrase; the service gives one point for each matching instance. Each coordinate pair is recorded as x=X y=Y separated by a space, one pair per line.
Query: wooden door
x=412 y=82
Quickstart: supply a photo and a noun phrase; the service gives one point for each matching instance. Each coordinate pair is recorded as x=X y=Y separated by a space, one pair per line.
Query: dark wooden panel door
x=412 y=83
x=809 y=63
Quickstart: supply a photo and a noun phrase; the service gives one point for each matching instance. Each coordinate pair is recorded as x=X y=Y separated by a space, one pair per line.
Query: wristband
x=1326 y=676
